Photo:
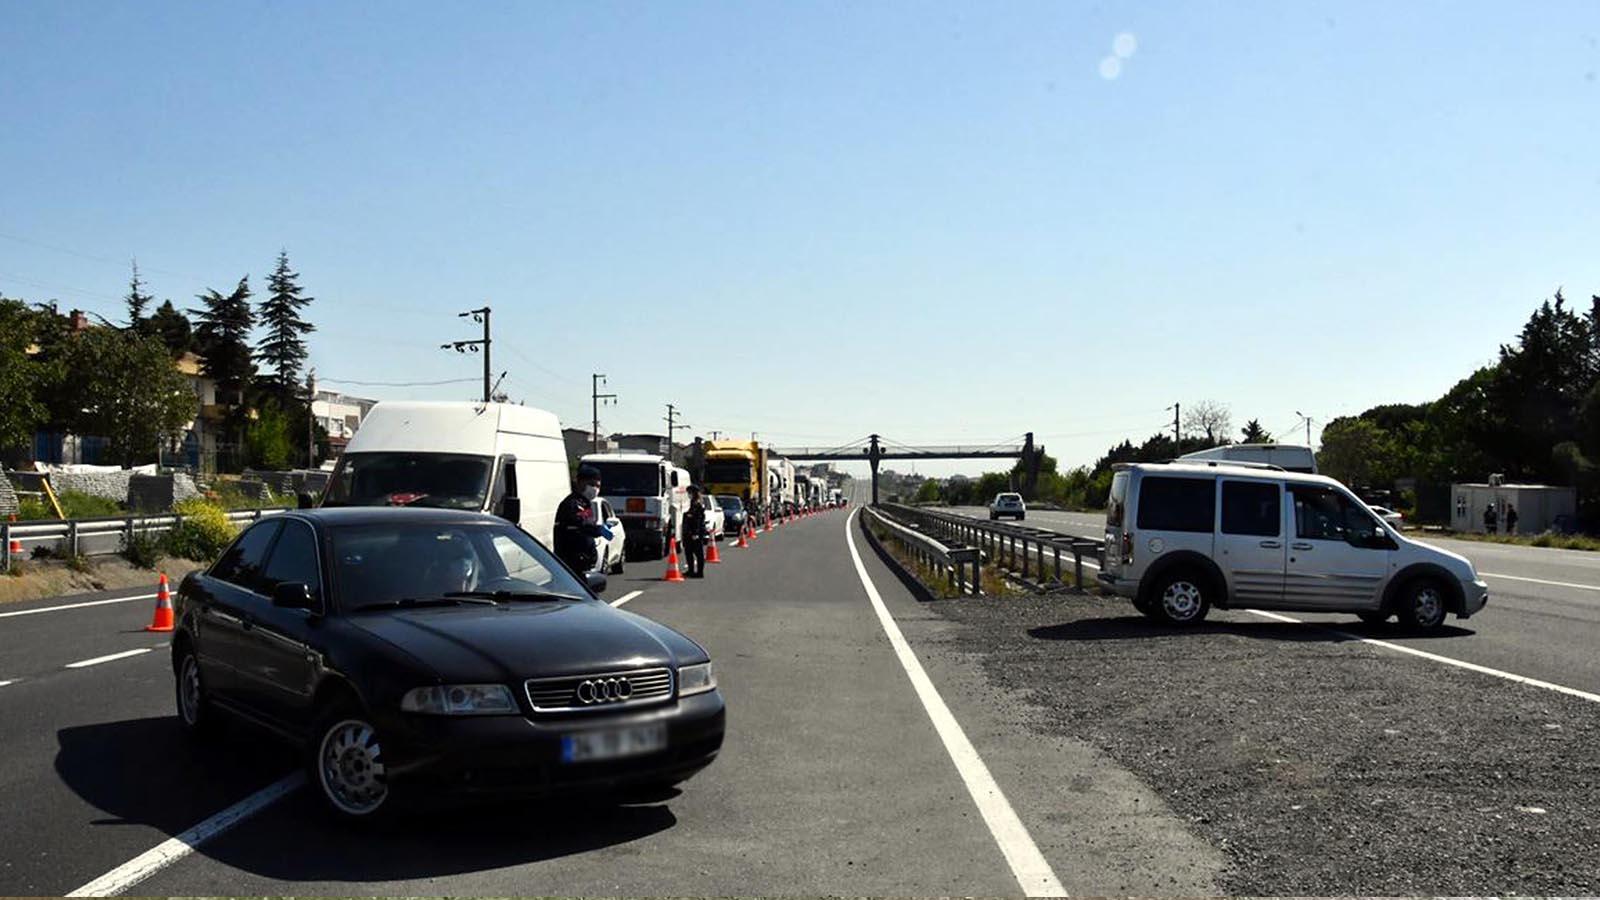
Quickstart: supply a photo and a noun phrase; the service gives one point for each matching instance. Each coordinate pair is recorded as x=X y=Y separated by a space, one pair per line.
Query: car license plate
x=613 y=743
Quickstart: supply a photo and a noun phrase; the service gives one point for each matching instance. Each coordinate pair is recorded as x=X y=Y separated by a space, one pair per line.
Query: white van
x=1187 y=536
x=1289 y=457
x=457 y=455
x=648 y=493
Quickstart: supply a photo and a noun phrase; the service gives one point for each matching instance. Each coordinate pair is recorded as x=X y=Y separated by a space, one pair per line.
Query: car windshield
x=620 y=479
x=391 y=563
x=443 y=480
x=730 y=504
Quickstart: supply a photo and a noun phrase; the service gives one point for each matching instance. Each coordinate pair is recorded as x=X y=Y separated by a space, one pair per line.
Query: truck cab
x=649 y=495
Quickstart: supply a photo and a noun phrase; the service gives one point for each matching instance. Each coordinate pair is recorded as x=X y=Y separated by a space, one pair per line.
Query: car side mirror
x=596 y=582
x=293 y=595
x=511 y=509
x=305 y=500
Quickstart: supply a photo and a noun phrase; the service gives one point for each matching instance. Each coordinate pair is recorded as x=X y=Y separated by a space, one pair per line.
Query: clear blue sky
x=938 y=221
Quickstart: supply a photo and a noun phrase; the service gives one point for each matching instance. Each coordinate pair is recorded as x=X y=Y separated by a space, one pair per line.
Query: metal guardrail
x=953 y=559
x=1013 y=547
x=67 y=538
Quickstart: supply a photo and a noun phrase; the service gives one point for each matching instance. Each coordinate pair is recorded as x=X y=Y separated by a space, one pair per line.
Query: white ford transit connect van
x=1187 y=536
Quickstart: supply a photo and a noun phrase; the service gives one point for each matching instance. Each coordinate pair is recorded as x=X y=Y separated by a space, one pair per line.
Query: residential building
x=340 y=415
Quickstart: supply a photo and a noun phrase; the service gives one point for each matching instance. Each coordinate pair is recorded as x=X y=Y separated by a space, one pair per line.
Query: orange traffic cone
x=769 y=524
x=712 y=556
x=163 y=619
x=743 y=529
x=672 y=563
x=15 y=547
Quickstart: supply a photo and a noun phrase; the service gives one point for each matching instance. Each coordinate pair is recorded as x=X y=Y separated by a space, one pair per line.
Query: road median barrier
x=959 y=564
x=1035 y=556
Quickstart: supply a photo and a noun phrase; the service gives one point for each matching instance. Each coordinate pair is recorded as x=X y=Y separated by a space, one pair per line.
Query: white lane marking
x=1447 y=660
x=625 y=598
x=45 y=609
x=1581 y=587
x=9 y=681
x=173 y=849
x=1028 y=865
x=84 y=663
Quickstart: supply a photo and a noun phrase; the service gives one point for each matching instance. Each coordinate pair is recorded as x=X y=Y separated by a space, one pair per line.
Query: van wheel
x=1422 y=605
x=1181 y=598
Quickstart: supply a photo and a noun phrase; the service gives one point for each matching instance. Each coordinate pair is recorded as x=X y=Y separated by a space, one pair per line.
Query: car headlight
x=696 y=679
x=460 y=700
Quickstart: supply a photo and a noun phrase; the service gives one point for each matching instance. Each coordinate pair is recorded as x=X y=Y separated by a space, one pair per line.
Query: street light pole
x=1308 y=425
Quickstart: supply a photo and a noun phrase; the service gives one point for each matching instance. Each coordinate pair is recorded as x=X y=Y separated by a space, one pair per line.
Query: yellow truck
x=738 y=468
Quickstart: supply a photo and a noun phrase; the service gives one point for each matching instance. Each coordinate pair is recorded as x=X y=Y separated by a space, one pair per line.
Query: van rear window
x=1117 y=500
x=1177 y=504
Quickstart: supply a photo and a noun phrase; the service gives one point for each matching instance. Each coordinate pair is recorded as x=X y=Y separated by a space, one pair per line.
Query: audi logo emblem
x=604 y=690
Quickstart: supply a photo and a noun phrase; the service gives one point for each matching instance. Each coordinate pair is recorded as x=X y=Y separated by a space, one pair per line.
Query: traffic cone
x=769 y=524
x=712 y=556
x=672 y=563
x=15 y=547
x=163 y=618
x=743 y=529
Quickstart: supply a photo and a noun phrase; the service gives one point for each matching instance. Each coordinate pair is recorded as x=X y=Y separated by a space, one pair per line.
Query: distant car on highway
x=414 y=651
x=733 y=513
x=1008 y=505
x=1394 y=519
x=1187 y=536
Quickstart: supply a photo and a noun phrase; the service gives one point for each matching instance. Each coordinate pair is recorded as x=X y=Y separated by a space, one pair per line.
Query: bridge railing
x=952 y=559
x=1017 y=548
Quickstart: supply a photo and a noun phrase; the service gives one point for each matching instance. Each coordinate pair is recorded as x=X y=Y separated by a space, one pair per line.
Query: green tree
x=266 y=439
x=1354 y=450
x=173 y=329
x=222 y=335
x=283 y=347
x=138 y=301
x=22 y=412
x=928 y=492
x=1253 y=433
x=124 y=388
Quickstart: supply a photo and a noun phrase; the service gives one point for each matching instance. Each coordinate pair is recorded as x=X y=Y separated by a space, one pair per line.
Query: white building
x=1540 y=507
x=340 y=415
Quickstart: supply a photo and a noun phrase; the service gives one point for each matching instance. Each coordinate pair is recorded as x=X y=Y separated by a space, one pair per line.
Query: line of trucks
x=512 y=461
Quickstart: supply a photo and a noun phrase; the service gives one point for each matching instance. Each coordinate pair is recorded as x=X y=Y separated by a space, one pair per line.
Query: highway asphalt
x=834 y=779
x=1542 y=621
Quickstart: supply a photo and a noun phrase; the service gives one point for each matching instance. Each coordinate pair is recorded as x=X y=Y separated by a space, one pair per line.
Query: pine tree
x=222 y=335
x=137 y=301
x=284 y=347
x=173 y=328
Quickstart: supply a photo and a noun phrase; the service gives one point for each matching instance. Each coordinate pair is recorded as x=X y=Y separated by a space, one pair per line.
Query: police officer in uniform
x=694 y=534
x=577 y=525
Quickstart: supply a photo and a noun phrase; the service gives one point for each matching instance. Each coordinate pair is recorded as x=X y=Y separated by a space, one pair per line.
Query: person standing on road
x=1511 y=519
x=1490 y=519
x=576 y=524
x=694 y=534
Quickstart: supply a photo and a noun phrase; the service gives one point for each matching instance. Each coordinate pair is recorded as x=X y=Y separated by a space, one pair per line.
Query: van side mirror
x=304 y=500
x=596 y=582
x=511 y=509
x=293 y=595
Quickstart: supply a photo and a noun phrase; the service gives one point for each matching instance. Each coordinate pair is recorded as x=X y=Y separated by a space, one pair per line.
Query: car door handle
x=1302 y=546
x=1272 y=545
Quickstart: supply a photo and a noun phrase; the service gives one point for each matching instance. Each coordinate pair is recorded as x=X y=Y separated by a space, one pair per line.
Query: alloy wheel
x=350 y=765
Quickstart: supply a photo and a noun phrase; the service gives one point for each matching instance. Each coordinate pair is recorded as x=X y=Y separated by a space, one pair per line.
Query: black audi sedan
x=414 y=651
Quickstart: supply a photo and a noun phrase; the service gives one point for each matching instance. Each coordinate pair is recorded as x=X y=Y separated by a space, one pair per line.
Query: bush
x=33 y=508
x=78 y=505
x=141 y=549
x=204 y=532
x=77 y=562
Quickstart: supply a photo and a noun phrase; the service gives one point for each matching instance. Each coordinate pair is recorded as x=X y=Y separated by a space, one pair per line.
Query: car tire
x=616 y=566
x=1142 y=604
x=347 y=767
x=1374 y=617
x=993 y=516
x=1423 y=605
x=196 y=713
x=1181 y=597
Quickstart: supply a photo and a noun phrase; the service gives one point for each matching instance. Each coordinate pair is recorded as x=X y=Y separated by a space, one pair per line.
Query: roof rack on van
x=1213 y=463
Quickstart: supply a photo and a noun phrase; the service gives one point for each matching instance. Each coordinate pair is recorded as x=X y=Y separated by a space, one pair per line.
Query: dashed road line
x=85 y=663
x=175 y=848
x=1435 y=657
x=625 y=598
x=45 y=609
x=8 y=681
x=1028 y=865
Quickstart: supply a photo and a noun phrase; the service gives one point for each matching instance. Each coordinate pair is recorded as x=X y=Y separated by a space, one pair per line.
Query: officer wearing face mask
x=576 y=523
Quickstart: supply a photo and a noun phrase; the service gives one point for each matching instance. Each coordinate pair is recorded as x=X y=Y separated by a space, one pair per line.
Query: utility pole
x=594 y=389
x=311 y=420
x=478 y=315
x=715 y=434
x=672 y=423
x=1308 y=425
x=1177 y=434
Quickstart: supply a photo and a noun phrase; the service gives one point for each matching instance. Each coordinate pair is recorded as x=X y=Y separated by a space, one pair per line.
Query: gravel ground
x=1317 y=765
